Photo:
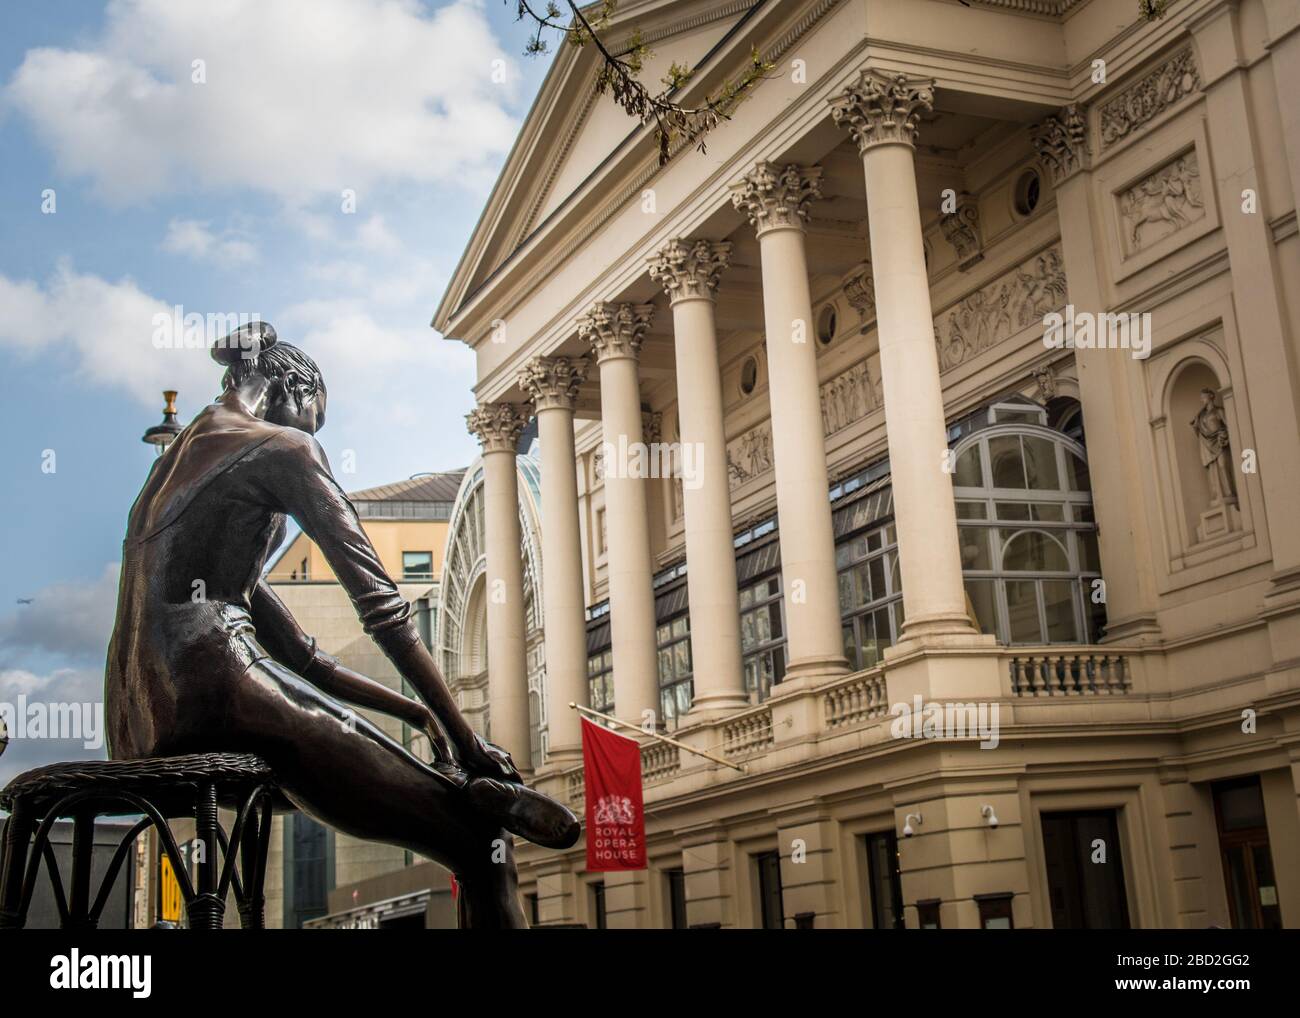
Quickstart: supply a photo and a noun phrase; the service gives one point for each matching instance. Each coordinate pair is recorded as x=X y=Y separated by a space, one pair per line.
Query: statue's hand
x=481 y=757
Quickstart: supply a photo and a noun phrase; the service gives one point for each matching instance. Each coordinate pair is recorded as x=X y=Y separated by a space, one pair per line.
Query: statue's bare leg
x=345 y=771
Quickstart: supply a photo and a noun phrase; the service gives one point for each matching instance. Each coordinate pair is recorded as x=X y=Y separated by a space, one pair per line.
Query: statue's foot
x=523 y=811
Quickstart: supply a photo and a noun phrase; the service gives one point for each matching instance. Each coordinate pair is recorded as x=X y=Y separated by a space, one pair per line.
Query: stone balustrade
x=1069 y=671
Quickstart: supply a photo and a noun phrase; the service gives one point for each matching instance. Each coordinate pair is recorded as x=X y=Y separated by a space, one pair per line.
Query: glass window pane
x=683 y=697
x=873 y=541
x=850 y=643
x=1058 y=607
x=969 y=472
x=662 y=634
x=1012 y=510
x=1005 y=461
x=1040 y=464
x=1022 y=612
x=1077 y=473
x=983 y=598
x=862 y=582
x=877 y=568
x=1049 y=512
x=774 y=630
x=1089 y=555
x=846 y=591
x=841 y=556
x=748 y=637
x=968 y=510
x=682 y=659
x=974 y=543
x=884 y=631
x=665 y=665
x=1034 y=551
x=680 y=626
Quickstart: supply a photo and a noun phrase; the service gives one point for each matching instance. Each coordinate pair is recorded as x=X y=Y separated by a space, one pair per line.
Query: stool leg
x=207 y=911
x=83 y=851
x=253 y=908
x=13 y=867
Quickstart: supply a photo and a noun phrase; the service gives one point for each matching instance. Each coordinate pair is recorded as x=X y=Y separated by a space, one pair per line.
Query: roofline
x=639 y=132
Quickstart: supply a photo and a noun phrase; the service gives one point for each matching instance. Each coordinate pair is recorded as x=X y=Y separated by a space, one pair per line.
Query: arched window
x=1028 y=535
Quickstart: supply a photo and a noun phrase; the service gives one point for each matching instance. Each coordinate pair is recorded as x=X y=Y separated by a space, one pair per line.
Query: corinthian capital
x=1062 y=142
x=553 y=382
x=686 y=268
x=616 y=330
x=497 y=426
x=773 y=196
x=881 y=108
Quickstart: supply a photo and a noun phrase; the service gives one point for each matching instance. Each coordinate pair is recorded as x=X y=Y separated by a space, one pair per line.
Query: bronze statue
x=1216 y=451
x=206 y=658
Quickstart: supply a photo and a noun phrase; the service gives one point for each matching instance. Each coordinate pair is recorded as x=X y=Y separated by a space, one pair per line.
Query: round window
x=826 y=325
x=1028 y=191
x=749 y=376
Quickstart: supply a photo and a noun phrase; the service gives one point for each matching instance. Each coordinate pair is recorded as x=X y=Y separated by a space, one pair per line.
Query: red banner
x=615 y=811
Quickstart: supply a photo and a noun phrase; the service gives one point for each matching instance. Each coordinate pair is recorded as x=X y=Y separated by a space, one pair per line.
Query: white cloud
x=300 y=100
x=196 y=239
x=375 y=235
x=103 y=332
x=62 y=686
x=72 y=619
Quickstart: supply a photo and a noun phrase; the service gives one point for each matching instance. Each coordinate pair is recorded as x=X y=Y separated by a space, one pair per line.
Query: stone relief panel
x=749 y=454
x=848 y=397
x=1162 y=203
x=1149 y=97
x=997 y=311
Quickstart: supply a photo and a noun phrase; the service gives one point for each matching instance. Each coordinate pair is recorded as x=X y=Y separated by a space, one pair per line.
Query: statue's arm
x=295 y=478
x=279 y=633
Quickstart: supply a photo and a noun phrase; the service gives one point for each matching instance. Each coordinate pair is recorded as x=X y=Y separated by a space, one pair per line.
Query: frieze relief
x=1162 y=203
x=749 y=454
x=1148 y=98
x=997 y=311
x=848 y=397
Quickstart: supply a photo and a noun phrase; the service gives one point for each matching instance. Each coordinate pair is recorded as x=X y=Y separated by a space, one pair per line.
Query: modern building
x=927 y=447
x=407 y=522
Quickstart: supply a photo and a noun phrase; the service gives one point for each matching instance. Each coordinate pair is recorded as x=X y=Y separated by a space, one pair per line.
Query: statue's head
x=1208 y=396
x=296 y=396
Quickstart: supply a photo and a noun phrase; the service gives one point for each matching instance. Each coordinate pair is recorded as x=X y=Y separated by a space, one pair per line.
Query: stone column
x=553 y=383
x=881 y=111
x=689 y=273
x=615 y=332
x=498 y=427
x=775 y=200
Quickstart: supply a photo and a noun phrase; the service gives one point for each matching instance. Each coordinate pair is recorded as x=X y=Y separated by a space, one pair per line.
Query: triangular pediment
x=571 y=132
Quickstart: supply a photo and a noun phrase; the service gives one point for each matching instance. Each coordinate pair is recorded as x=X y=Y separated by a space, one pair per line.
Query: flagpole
x=655 y=735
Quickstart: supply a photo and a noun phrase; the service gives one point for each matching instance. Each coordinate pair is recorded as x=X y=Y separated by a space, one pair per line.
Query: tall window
x=886 y=881
x=600 y=681
x=871 y=594
x=673 y=638
x=771 y=907
x=1028 y=535
x=762 y=636
x=597 y=903
x=307 y=869
x=417 y=565
x=1247 y=856
x=676 y=880
x=1085 y=872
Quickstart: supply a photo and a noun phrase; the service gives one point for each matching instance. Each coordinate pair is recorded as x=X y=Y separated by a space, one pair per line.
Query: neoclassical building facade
x=927 y=447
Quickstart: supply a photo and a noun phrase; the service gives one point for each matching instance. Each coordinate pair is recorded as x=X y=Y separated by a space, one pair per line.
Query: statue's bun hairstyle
x=254 y=349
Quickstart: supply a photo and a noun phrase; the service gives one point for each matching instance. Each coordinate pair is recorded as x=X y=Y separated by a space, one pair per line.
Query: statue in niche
x=1216 y=451
x=206 y=658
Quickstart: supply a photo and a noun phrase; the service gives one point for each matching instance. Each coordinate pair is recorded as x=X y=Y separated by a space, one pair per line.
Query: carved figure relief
x=997 y=311
x=1163 y=203
x=846 y=398
x=749 y=454
x=1149 y=97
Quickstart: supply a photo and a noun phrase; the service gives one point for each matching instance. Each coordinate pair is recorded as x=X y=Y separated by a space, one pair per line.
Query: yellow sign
x=169 y=892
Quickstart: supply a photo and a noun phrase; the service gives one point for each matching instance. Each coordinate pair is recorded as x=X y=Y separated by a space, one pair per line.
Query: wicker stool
x=190 y=786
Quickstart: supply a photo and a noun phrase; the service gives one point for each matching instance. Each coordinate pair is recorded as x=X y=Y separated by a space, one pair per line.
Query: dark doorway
x=1247 y=858
x=886 y=881
x=1085 y=870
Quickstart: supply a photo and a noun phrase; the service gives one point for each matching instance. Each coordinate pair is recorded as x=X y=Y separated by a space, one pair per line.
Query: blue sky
x=223 y=195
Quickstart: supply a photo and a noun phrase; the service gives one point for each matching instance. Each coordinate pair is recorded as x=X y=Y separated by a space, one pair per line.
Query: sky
x=317 y=163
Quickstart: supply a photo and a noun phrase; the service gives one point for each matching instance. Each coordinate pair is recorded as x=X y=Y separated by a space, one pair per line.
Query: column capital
x=553 y=382
x=1061 y=141
x=616 y=330
x=690 y=268
x=883 y=107
x=497 y=426
x=773 y=196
